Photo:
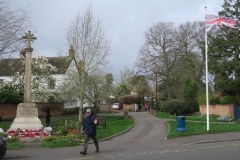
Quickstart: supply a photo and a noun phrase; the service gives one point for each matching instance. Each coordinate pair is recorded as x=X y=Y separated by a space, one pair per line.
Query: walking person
x=146 y=107
x=48 y=116
x=89 y=129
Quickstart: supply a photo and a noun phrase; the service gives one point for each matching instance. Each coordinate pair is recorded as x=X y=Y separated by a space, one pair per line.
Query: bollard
x=42 y=134
x=18 y=134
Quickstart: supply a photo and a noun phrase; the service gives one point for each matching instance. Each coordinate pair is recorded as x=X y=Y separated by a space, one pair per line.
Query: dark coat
x=48 y=115
x=89 y=127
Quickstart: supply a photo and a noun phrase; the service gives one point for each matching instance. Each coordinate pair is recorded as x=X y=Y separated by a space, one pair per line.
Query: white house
x=63 y=88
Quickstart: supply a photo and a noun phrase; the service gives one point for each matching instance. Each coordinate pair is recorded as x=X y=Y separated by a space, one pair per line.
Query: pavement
x=147 y=131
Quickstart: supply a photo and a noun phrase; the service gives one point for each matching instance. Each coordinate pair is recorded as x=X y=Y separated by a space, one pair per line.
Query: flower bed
x=74 y=131
x=27 y=133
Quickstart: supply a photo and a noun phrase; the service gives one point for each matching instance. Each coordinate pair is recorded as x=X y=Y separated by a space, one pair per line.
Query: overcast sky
x=124 y=21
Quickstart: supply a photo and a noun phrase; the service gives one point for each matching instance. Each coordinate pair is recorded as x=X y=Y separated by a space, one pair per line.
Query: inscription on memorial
x=27 y=111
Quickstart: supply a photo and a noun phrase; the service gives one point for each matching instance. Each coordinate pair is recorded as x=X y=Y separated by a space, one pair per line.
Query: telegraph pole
x=155 y=90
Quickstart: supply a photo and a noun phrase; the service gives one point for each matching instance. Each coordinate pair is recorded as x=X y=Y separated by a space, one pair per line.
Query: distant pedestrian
x=89 y=129
x=48 y=116
x=146 y=107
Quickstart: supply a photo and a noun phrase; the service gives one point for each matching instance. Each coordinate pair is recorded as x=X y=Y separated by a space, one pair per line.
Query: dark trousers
x=87 y=137
x=47 y=121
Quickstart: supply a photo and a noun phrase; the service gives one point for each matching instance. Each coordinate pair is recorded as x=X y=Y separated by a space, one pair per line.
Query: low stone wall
x=129 y=107
x=105 y=108
x=219 y=109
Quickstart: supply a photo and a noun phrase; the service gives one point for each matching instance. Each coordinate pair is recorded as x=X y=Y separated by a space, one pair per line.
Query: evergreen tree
x=224 y=53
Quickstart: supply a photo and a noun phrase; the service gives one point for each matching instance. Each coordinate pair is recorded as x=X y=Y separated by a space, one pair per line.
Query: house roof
x=12 y=65
x=61 y=63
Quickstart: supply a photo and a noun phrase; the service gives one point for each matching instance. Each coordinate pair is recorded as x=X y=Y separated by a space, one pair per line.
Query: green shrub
x=14 y=146
x=162 y=108
x=49 y=138
x=190 y=90
x=128 y=99
x=197 y=114
x=175 y=107
x=202 y=98
x=68 y=111
x=4 y=134
x=237 y=122
x=51 y=99
x=228 y=100
x=9 y=94
x=212 y=99
x=213 y=116
x=191 y=107
x=12 y=139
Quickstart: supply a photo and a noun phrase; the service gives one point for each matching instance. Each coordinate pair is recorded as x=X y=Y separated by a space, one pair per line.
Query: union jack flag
x=216 y=22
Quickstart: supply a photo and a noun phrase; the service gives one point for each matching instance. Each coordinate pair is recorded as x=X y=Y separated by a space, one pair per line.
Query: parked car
x=3 y=146
x=115 y=106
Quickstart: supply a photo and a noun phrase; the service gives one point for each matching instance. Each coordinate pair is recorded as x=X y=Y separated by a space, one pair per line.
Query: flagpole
x=206 y=61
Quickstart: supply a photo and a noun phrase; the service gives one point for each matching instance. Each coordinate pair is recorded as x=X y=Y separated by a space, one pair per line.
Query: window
x=51 y=84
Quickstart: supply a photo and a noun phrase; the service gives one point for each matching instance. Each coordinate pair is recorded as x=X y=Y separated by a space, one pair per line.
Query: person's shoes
x=83 y=152
x=97 y=150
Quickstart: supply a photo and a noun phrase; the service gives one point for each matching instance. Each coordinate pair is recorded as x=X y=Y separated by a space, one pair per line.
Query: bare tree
x=159 y=53
x=190 y=62
x=126 y=77
x=174 y=54
x=91 y=49
x=13 y=25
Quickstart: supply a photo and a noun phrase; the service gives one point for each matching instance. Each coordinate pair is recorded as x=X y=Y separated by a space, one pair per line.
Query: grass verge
x=115 y=125
x=167 y=115
x=14 y=146
x=198 y=128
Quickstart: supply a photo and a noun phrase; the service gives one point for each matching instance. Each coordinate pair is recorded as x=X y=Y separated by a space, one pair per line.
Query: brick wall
x=105 y=108
x=219 y=109
x=56 y=109
x=8 y=111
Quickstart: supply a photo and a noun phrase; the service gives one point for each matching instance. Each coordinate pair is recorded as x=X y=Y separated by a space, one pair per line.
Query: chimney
x=71 y=51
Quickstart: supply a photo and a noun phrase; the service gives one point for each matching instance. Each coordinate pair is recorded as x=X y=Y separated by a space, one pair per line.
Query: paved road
x=145 y=140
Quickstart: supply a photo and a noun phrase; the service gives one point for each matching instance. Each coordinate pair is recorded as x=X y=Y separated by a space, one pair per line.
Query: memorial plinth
x=27 y=112
x=27 y=117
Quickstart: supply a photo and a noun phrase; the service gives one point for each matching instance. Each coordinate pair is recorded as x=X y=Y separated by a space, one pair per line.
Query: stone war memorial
x=27 y=125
